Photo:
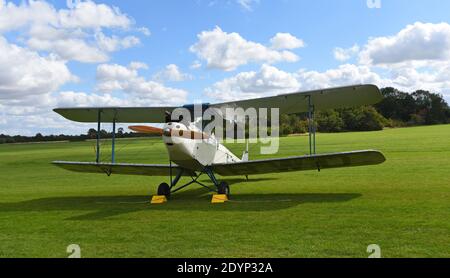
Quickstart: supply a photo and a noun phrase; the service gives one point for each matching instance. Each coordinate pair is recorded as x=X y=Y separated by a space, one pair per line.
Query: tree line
x=398 y=109
x=91 y=134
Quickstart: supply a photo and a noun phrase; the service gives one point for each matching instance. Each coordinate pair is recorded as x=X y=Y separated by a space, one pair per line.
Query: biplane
x=192 y=157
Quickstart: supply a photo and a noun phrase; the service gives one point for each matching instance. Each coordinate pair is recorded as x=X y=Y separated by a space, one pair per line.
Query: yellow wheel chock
x=219 y=199
x=156 y=200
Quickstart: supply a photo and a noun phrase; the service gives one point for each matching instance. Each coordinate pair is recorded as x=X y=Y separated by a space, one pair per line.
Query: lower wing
x=300 y=163
x=122 y=169
x=255 y=167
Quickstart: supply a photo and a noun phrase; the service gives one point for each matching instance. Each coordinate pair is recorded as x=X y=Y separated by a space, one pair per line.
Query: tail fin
x=245 y=155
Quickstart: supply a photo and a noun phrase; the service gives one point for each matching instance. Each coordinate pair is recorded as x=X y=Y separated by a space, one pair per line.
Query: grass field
x=402 y=205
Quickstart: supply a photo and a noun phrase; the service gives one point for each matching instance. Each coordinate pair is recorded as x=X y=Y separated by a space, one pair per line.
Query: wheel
x=164 y=190
x=224 y=188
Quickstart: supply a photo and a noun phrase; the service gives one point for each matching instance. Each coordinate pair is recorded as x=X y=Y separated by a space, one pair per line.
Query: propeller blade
x=170 y=132
x=188 y=134
x=199 y=135
x=146 y=129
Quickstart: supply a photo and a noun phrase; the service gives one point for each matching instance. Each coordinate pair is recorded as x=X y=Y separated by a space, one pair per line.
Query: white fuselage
x=194 y=154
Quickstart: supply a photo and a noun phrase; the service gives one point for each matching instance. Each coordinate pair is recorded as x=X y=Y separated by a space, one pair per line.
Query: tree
x=418 y=108
x=104 y=133
x=396 y=105
x=285 y=125
x=370 y=120
x=39 y=137
x=431 y=107
x=329 y=121
x=364 y=118
x=292 y=124
x=120 y=132
x=92 y=133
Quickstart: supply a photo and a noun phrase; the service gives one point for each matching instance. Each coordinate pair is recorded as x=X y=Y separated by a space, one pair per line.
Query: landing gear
x=164 y=190
x=223 y=188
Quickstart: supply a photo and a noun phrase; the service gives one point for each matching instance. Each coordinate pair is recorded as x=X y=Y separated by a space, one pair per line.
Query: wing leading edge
x=117 y=114
x=122 y=169
x=301 y=163
x=342 y=97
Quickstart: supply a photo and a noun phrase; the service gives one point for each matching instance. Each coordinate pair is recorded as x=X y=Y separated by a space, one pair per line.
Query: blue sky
x=403 y=44
x=322 y=24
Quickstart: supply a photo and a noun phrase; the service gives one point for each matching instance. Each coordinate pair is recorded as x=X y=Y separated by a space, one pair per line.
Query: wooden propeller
x=147 y=129
x=170 y=133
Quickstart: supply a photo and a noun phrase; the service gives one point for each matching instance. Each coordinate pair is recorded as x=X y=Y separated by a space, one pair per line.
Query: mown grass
x=402 y=205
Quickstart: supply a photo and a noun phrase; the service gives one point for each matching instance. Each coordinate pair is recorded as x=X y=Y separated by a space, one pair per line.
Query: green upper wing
x=117 y=114
x=300 y=163
x=351 y=96
x=343 y=97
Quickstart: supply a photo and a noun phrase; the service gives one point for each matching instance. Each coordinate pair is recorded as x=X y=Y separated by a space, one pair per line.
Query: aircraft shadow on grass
x=101 y=207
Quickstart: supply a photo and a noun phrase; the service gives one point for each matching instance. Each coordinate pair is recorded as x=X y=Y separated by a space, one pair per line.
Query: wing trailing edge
x=301 y=163
x=122 y=168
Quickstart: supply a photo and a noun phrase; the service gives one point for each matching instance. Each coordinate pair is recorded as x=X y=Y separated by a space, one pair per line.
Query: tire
x=223 y=189
x=164 y=190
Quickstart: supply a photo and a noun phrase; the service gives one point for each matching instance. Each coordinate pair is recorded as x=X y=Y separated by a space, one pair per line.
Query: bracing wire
x=135 y=153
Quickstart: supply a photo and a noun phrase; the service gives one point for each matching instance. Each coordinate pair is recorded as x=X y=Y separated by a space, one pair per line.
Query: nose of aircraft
x=181 y=131
x=172 y=133
x=174 y=129
x=167 y=132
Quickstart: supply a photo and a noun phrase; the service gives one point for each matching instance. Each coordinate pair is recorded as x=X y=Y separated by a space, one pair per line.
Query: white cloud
x=408 y=77
x=36 y=110
x=172 y=73
x=227 y=51
x=110 y=77
x=140 y=91
x=66 y=45
x=345 y=54
x=83 y=15
x=137 y=65
x=145 y=31
x=247 y=4
x=344 y=75
x=72 y=34
x=32 y=73
x=417 y=42
x=87 y=14
x=39 y=117
x=81 y=99
x=114 y=43
x=196 y=65
x=272 y=81
x=24 y=73
x=267 y=81
x=417 y=57
x=286 y=41
x=14 y=17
